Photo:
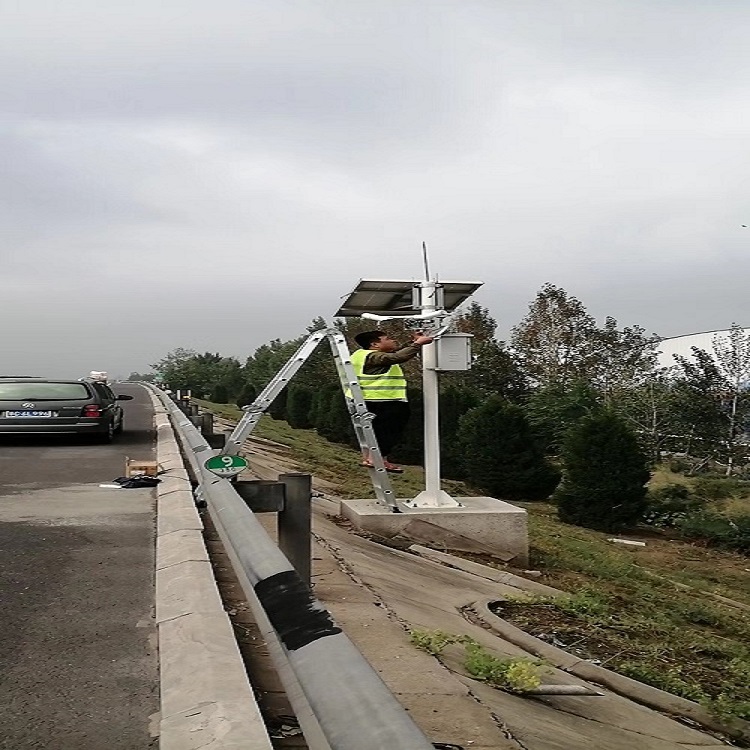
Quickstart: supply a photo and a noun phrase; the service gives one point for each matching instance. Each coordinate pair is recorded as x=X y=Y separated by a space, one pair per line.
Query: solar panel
x=396 y=297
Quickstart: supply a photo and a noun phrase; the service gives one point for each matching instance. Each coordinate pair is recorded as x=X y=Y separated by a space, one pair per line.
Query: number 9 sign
x=226 y=466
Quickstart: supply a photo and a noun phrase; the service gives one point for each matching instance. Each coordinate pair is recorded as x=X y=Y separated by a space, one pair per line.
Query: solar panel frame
x=395 y=296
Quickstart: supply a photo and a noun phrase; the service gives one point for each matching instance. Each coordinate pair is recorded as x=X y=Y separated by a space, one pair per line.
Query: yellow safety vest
x=391 y=386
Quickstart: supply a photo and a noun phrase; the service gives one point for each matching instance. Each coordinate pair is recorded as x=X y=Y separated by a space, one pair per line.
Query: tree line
x=566 y=408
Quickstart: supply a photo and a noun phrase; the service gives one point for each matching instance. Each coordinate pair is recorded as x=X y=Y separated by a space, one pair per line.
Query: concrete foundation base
x=492 y=525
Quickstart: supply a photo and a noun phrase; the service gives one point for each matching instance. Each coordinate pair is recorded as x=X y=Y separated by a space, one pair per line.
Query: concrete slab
x=494 y=524
x=402 y=667
x=415 y=593
x=214 y=656
x=180 y=546
x=212 y=726
x=176 y=512
x=186 y=588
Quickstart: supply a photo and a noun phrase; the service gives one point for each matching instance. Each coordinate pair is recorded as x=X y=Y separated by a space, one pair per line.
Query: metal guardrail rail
x=340 y=701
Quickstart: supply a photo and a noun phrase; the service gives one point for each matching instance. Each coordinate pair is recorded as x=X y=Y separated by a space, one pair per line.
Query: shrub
x=219 y=394
x=718 y=530
x=605 y=475
x=410 y=449
x=299 y=407
x=247 y=395
x=715 y=489
x=554 y=409
x=454 y=403
x=277 y=409
x=333 y=421
x=669 y=504
x=679 y=465
x=501 y=455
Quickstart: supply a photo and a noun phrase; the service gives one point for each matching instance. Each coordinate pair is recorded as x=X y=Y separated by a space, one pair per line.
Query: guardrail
x=340 y=701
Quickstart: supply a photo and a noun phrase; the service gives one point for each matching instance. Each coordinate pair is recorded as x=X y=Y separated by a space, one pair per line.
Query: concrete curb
x=636 y=691
x=485 y=571
x=207 y=702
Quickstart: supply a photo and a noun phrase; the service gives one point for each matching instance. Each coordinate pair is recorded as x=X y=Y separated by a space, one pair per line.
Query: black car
x=38 y=405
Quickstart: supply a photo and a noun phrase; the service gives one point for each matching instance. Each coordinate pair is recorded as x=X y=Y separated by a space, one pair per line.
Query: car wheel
x=108 y=436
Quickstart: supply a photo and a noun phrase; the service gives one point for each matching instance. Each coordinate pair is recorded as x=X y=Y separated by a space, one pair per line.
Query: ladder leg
x=255 y=411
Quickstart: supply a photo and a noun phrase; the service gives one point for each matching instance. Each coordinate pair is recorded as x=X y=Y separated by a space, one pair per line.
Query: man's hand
x=420 y=339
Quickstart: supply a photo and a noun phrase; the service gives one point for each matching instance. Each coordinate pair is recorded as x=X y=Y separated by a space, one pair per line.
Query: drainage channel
x=275 y=708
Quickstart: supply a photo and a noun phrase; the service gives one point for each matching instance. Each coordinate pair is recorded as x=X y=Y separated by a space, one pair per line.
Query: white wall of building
x=682 y=345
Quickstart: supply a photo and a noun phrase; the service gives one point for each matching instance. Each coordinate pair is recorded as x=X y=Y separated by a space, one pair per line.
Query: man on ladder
x=377 y=365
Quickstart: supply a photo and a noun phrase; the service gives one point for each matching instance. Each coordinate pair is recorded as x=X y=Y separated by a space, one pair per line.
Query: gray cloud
x=214 y=176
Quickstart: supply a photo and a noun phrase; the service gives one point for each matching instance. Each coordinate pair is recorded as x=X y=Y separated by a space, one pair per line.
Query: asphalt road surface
x=78 y=662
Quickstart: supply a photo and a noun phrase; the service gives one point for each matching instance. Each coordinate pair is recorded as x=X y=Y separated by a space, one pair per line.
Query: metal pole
x=433 y=496
x=295 y=523
x=431 y=406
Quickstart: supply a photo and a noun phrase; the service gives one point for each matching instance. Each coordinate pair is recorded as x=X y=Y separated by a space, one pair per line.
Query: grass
x=626 y=612
x=331 y=462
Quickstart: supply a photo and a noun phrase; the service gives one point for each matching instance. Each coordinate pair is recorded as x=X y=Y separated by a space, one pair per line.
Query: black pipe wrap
x=293 y=611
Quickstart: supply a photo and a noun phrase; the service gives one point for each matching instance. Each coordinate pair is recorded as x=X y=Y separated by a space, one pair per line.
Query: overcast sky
x=213 y=175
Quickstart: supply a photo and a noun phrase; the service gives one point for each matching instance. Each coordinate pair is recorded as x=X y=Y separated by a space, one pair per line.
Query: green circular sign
x=226 y=466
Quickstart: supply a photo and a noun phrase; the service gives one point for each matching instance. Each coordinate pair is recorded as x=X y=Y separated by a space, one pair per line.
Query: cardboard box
x=135 y=466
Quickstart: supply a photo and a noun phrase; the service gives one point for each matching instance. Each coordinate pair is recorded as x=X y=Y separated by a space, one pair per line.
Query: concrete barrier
x=207 y=702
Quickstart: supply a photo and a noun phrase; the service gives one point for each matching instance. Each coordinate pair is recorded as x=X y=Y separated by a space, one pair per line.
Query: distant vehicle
x=101 y=377
x=38 y=405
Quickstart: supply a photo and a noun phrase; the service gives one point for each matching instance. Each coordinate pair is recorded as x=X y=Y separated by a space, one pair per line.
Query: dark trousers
x=391 y=418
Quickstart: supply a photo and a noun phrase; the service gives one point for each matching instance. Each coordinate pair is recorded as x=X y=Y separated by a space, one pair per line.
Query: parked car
x=38 y=405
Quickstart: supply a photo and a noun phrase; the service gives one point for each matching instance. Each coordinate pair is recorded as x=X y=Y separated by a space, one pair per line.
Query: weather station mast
x=431 y=303
x=487 y=523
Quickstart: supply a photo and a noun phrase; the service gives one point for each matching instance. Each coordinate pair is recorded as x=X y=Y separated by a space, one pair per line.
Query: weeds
x=512 y=674
x=432 y=641
x=670 y=679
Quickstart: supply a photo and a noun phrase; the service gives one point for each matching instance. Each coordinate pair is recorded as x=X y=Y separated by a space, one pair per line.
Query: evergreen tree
x=501 y=455
x=299 y=406
x=410 y=449
x=334 y=422
x=454 y=403
x=277 y=409
x=320 y=401
x=605 y=473
x=247 y=395
x=219 y=394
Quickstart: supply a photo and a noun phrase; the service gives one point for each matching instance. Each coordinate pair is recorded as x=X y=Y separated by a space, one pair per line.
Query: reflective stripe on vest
x=391 y=386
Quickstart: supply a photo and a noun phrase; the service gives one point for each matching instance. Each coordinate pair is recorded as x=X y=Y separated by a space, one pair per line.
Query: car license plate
x=31 y=414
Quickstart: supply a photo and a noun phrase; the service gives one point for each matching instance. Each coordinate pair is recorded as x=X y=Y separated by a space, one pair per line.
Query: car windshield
x=36 y=391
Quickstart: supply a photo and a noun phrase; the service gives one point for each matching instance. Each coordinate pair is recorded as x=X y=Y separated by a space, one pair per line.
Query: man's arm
x=378 y=362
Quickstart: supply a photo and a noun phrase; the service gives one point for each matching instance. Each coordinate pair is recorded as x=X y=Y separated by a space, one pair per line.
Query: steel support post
x=207 y=423
x=295 y=523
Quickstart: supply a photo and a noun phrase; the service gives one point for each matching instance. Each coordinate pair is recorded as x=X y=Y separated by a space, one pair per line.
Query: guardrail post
x=295 y=523
x=206 y=424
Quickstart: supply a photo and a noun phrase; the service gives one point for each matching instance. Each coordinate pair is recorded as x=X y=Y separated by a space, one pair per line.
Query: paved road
x=78 y=663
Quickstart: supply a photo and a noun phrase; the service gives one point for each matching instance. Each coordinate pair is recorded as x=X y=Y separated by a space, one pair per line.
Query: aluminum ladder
x=355 y=402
